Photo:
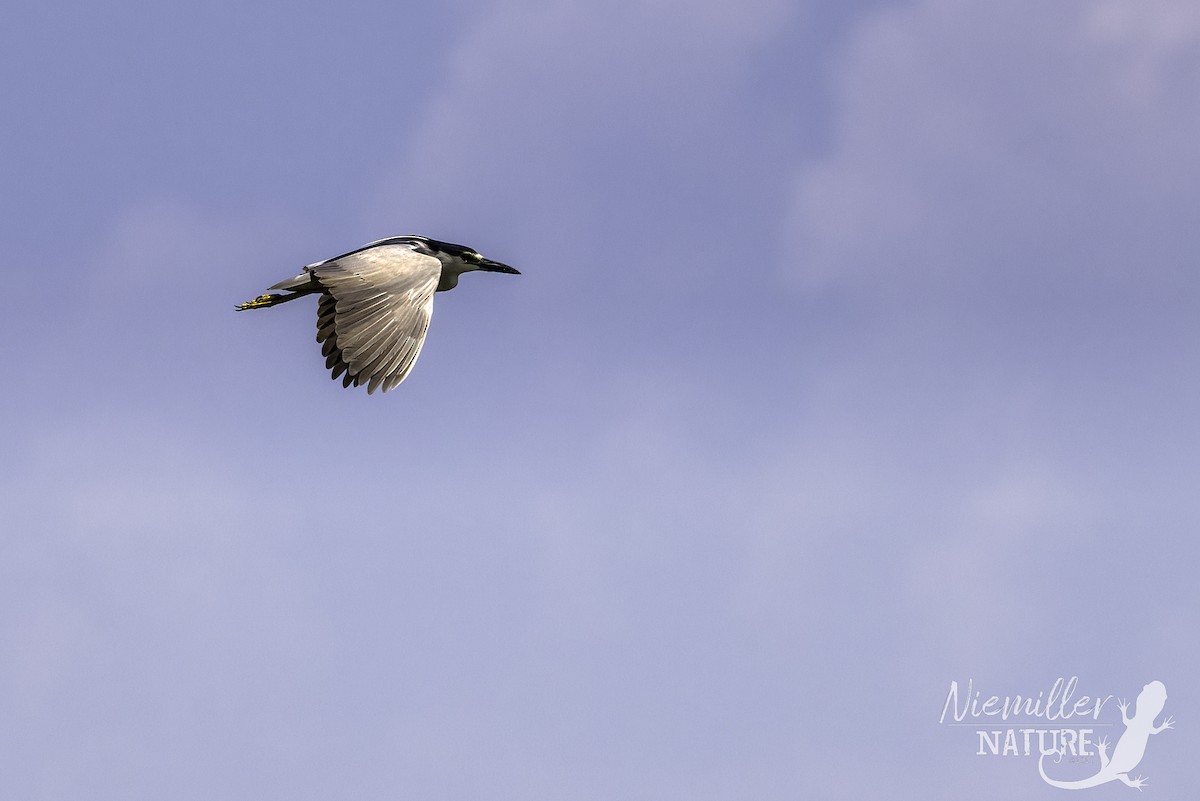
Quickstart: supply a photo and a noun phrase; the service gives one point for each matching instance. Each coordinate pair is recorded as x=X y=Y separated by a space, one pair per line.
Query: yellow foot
x=261 y=302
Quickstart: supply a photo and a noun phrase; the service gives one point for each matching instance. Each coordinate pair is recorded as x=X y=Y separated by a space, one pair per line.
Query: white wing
x=374 y=312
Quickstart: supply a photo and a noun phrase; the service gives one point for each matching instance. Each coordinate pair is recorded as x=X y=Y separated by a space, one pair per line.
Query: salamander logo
x=1060 y=726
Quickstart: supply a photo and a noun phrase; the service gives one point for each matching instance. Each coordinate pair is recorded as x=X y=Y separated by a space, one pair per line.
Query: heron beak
x=487 y=265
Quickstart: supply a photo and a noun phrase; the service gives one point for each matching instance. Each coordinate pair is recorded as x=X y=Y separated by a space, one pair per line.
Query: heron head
x=462 y=259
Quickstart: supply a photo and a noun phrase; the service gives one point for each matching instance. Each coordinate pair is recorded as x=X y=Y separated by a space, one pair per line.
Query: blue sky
x=855 y=353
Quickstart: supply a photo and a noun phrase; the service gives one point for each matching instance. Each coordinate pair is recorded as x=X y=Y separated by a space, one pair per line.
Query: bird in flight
x=375 y=303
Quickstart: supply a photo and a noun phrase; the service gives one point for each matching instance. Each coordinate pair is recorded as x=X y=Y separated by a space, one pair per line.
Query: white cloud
x=166 y=250
x=978 y=586
x=548 y=106
x=1027 y=139
x=1153 y=32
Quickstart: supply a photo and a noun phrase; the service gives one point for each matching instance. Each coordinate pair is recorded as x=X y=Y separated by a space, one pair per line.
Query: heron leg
x=264 y=301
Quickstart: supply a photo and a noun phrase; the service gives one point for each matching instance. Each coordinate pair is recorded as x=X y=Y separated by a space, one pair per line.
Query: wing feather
x=374 y=312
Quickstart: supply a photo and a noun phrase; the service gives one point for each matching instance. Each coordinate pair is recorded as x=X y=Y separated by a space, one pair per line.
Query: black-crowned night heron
x=375 y=303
